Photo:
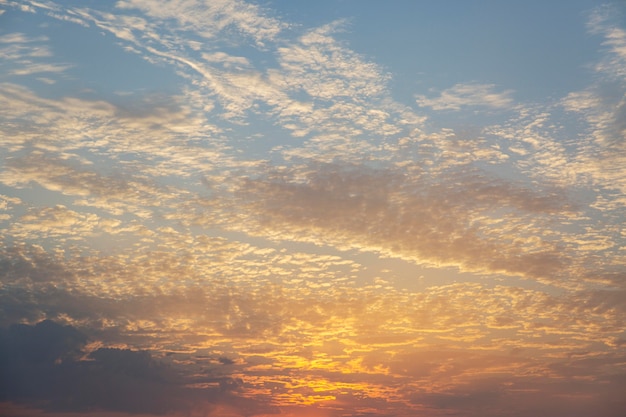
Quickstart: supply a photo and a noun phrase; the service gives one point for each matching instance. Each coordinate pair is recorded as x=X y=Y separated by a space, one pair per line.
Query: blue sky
x=539 y=50
x=312 y=208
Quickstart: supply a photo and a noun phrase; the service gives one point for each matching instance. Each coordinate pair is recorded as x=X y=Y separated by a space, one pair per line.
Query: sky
x=320 y=209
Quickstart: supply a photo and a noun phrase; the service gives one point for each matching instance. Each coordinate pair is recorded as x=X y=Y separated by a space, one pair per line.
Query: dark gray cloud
x=495 y=397
x=45 y=366
x=42 y=367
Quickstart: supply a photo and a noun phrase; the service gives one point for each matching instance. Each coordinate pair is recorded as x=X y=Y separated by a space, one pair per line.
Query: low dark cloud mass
x=45 y=366
x=31 y=357
x=42 y=367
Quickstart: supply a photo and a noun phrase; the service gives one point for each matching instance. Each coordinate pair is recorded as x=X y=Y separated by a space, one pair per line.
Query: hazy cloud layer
x=462 y=95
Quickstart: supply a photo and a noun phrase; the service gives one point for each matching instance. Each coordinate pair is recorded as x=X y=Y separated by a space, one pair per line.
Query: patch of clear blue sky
x=538 y=48
x=99 y=64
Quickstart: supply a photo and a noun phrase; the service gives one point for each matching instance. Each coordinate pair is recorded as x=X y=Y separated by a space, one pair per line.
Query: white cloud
x=467 y=95
x=22 y=55
x=208 y=18
x=603 y=108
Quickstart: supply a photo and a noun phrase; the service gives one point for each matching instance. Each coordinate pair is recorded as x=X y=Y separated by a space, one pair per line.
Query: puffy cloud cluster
x=464 y=218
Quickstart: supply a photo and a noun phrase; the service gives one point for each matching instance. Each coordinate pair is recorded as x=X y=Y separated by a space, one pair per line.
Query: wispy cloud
x=468 y=95
x=22 y=55
x=207 y=19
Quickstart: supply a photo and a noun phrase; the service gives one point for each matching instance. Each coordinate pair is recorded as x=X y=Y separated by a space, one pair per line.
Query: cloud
x=413 y=218
x=24 y=56
x=210 y=18
x=602 y=104
x=464 y=95
x=42 y=367
x=148 y=125
x=382 y=337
